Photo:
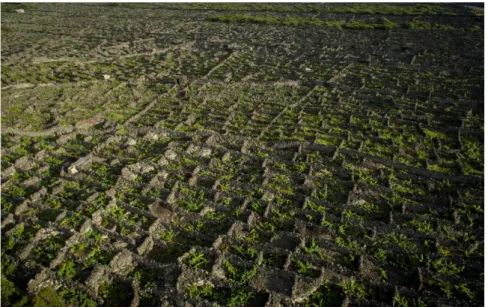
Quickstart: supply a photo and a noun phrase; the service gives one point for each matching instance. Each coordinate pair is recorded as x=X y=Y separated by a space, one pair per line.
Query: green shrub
x=8 y=290
x=48 y=297
x=424 y=25
x=474 y=28
x=382 y=24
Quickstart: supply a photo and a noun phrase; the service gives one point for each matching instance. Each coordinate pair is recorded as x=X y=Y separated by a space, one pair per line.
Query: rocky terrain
x=242 y=155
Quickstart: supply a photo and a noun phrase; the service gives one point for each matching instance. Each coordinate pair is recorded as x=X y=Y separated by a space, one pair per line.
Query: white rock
x=72 y=170
x=33 y=181
x=163 y=175
x=9 y=171
x=122 y=262
x=106 y=77
x=40 y=155
x=360 y=202
x=163 y=161
x=147 y=168
x=128 y=174
x=170 y=154
x=20 y=11
x=151 y=136
x=206 y=152
x=131 y=142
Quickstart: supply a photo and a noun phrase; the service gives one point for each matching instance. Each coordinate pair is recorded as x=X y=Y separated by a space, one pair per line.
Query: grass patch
x=382 y=24
x=356 y=8
x=298 y=21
